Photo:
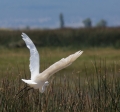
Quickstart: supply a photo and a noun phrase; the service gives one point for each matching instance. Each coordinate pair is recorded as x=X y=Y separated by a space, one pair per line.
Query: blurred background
x=71 y=23
x=54 y=14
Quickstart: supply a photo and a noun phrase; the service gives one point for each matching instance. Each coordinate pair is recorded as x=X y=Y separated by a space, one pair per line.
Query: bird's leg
x=22 y=90
x=25 y=92
x=30 y=88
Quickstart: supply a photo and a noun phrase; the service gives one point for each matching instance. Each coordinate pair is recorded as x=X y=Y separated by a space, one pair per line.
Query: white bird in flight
x=40 y=80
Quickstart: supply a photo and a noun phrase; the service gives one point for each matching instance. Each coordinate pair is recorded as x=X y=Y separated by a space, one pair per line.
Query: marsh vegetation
x=90 y=84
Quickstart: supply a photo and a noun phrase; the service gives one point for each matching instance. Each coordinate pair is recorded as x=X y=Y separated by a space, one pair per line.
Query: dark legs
x=26 y=88
x=22 y=90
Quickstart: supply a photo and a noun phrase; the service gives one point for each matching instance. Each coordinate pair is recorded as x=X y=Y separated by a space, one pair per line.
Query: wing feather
x=63 y=63
x=34 y=56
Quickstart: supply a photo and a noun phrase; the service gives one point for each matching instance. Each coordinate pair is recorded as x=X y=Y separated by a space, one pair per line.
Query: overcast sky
x=45 y=13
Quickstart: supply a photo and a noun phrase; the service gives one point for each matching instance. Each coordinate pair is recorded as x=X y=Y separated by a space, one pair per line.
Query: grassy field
x=14 y=59
x=90 y=84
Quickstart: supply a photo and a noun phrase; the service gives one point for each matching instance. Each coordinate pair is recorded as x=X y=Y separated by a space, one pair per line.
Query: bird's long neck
x=42 y=89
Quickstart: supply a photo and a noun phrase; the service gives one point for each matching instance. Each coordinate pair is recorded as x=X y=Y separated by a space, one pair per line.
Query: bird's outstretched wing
x=34 y=56
x=63 y=63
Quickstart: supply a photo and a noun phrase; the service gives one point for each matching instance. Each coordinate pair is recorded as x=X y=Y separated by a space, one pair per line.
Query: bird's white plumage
x=63 y=63
x=39 y=80
x=34 y=56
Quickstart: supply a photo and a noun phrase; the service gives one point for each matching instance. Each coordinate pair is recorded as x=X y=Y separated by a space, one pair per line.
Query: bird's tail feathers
x=30 y=82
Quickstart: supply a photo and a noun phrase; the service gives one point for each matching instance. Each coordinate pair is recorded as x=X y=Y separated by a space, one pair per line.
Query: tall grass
x=67 y=92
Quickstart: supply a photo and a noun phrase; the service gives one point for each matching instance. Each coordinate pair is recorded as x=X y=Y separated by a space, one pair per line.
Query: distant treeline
x=83 y=37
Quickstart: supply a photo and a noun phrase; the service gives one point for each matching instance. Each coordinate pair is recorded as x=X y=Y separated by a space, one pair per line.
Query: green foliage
x=87 y=23
x=83 y=37
x=102 y=23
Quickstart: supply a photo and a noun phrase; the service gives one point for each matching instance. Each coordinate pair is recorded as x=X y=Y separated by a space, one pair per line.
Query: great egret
x=40 y=80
